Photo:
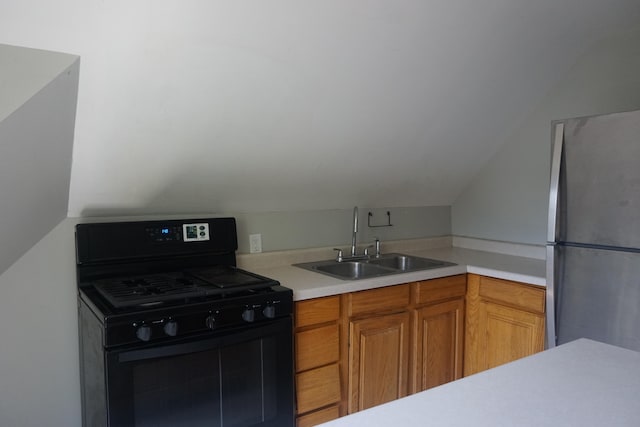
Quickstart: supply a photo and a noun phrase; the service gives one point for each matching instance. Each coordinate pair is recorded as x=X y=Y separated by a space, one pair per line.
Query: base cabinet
x=378 y=351
x=438 y=343
x=511 y=334
x=362 y=349
x=318 y=361
x=438 y=352
x=378 y=360
x=505 y=321
x=438 y=331
x=404 y=339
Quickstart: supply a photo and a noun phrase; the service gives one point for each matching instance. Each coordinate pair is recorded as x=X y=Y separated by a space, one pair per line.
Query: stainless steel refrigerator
x=593 y=250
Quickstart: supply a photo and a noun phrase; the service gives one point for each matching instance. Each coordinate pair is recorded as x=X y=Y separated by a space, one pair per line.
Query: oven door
x=234 y=379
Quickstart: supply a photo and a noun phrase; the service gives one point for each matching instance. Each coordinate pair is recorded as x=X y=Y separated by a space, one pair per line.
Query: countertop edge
x=306 y=284
x=580 y=383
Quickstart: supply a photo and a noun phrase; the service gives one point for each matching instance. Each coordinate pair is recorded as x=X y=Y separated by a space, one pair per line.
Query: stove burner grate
x=148 y=289
x=153 y=289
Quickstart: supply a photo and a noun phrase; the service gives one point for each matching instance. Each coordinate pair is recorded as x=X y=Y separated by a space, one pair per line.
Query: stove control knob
x=210 y=321
x=269 y=312
x=249 y=315
x=143 y=333
x=171 y=328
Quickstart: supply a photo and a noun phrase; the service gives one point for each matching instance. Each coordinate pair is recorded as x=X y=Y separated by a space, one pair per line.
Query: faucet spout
x=355 y=231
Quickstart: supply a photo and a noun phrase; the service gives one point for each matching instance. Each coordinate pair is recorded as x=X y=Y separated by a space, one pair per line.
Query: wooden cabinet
x=378 y=360
x=379 y=323
x=505 y=321
x=395 y=341
x=318 y=417
x=438 y=332
x=361 y=349
x=317 y=357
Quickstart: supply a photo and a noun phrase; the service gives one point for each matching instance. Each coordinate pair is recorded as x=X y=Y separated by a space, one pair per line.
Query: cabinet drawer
x=429 y=291
x=317 y=388
x=316 y=311
x=376 y=300
x=318 y=417
x=317 y=347
x=519 y=295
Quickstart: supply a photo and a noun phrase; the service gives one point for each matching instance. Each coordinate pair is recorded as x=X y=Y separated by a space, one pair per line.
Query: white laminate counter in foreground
x=583 y=383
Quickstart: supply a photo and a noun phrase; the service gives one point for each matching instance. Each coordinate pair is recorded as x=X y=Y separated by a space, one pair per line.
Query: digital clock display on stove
x=164 y=233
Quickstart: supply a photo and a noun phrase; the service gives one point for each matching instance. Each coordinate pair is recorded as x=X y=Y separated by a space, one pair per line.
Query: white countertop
x=307 y=284
x=582 y=383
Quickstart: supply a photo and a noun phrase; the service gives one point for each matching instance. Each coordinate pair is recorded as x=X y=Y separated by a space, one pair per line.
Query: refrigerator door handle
x=550 y=303
x=556 y=159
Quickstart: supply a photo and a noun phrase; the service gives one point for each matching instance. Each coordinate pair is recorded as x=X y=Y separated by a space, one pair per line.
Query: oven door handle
x=204 y=344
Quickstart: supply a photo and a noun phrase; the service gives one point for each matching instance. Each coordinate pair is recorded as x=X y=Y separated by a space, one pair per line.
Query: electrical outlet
x=255 y=243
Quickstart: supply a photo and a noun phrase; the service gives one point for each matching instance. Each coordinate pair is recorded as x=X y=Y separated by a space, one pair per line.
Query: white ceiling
x=226 y=106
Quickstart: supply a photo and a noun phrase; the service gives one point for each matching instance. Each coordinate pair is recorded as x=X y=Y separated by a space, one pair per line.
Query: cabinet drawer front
x=316 y=311
x=318 y=417
x=376 y=300
x=317 y=388
x=429 y=291
x=519 y=295
x=317 y=347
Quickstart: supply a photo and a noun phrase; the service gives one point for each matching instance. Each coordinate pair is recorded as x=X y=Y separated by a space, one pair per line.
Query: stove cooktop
x=157 y=289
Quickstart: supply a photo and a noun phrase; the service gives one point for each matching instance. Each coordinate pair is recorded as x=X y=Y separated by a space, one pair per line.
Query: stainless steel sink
x=351 y=270
x=363 y=269
x=407 y=263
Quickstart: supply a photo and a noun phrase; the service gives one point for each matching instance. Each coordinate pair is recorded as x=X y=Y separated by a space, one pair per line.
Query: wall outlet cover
x=255 y=243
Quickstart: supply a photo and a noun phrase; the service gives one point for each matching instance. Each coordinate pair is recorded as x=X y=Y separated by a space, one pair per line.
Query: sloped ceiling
x=226 y=106
x=24 y=72
x=38 y=96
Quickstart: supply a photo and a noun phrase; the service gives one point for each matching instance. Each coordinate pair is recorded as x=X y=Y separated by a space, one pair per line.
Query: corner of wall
x=508 y=199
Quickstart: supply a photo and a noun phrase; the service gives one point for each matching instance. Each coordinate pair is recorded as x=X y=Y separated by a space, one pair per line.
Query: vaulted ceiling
x=224 y=106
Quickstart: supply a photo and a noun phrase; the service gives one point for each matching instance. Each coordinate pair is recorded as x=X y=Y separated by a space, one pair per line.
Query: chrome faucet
x=354 y=241
x=355 y=231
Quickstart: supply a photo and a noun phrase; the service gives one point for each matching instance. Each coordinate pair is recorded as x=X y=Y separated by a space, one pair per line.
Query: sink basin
x=374 y=267
x=351 y=270
x=407 y=263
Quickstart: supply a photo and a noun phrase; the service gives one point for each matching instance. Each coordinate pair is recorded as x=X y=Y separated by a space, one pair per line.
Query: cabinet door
x=509 y=334
x=504 y=322
x=438 y=343
x=378 y=360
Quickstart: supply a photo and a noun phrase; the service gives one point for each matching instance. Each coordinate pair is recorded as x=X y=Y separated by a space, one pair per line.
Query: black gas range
x=162 y=296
